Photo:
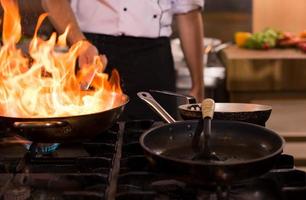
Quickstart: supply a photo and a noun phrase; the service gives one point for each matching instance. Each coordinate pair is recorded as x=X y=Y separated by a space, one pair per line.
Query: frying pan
x=65 y=129
x=250 y=149
x=246 y=112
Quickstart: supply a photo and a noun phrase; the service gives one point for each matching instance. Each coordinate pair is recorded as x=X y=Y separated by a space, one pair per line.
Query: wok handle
x=190 y=99
x=40 y=124
x=145 y=96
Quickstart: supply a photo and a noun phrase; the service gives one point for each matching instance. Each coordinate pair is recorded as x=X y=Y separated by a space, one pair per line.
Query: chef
x=135 y=37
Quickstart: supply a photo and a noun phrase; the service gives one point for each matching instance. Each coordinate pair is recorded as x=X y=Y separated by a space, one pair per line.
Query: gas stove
x=114 y=167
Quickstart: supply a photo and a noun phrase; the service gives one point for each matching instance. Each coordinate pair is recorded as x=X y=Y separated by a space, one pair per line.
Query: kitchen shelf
x=233 y=52
x=259 y=74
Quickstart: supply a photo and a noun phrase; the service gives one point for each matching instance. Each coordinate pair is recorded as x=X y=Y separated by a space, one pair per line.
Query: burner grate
x=113 y=167
x=73 y=171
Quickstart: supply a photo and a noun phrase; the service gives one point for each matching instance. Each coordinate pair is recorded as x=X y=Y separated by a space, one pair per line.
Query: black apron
x=143 y=64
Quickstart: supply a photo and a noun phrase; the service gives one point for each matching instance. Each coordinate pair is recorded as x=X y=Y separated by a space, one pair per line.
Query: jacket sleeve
x=184 y=6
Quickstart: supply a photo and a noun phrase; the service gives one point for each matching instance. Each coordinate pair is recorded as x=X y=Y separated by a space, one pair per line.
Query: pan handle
x=40 y=124
x=190 y=99
x=145 y=96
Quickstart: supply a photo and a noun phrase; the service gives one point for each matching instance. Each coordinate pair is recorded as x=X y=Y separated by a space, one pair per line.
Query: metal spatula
x=100 y=63
x=86 y=82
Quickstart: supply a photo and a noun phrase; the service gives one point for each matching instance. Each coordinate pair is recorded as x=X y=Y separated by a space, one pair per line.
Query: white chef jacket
x=139 y=18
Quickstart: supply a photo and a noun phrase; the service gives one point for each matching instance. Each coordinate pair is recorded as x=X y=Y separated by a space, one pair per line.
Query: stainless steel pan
x=65 y=129
x=245 y=112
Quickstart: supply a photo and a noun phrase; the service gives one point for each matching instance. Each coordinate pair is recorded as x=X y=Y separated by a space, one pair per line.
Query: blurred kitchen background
x=222 y=18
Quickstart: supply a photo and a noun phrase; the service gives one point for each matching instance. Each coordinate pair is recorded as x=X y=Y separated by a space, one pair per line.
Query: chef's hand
x=197 y=93
x=87 y=54
x=90 y=62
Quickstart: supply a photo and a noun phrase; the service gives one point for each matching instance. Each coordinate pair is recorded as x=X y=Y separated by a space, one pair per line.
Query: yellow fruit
x=303 y=34
x=241 y=38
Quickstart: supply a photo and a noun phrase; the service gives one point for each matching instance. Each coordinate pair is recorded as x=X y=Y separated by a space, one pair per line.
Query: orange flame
x=11 y=22
x=44 y=83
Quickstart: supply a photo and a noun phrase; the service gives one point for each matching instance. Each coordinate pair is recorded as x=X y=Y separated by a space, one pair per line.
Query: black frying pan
x=246 y=112
x=65 y=129
x=250 y=149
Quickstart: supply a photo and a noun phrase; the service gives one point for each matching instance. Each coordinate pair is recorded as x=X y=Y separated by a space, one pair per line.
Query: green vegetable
x=263 y=40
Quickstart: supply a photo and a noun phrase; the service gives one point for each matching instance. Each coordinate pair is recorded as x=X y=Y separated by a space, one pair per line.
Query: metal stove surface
x=113 y=167
x=72 y=171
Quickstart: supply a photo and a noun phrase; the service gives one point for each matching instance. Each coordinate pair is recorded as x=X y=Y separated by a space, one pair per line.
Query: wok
x=249 y=150
x=65 y=129
x=246 y=112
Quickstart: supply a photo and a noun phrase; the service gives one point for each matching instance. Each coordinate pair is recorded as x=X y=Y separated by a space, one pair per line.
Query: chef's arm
x=190 y=29
x=61 y=15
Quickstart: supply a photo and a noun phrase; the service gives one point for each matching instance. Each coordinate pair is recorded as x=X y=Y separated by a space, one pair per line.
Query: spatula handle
x=208 y=107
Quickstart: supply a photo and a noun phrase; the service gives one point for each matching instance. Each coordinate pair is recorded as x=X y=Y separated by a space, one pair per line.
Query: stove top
x=113 y=166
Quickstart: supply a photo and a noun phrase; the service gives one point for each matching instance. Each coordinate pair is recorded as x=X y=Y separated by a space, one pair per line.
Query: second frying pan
x=245 y=112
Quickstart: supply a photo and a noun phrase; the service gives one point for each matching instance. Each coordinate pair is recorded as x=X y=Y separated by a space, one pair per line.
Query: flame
x=44 y=83
x=14 y=140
